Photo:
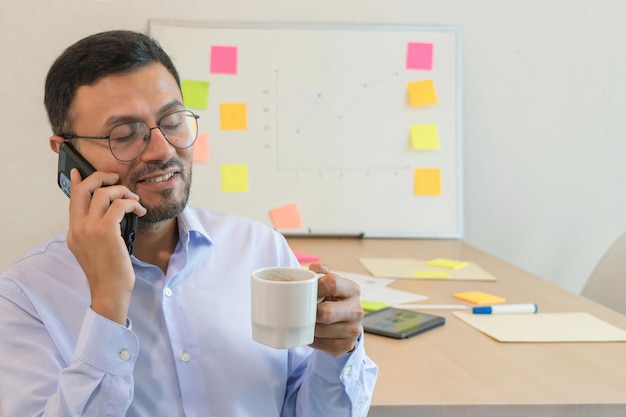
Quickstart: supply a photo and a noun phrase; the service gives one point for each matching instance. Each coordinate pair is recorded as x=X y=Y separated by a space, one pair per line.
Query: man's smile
x=160 y=178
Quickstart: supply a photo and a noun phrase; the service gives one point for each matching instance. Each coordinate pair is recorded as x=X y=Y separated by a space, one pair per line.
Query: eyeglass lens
x=129 y=140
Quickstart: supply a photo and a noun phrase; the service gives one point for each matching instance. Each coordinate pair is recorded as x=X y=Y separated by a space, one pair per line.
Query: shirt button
x=185 y=357
x=124 y=355
x=347 y=370
x=168 y=292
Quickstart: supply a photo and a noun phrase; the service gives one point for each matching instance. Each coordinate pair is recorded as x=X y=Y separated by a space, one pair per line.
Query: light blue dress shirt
x=187 y=349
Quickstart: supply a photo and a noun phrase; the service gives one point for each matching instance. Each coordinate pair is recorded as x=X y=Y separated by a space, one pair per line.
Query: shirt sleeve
x=332 y=386
x=96 y=381
x=103 y=364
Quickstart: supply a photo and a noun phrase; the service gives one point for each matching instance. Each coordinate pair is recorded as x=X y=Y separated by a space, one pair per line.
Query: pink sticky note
x=201 y=148
x=224 y=60
x=305 y=257
x=419 y=56
x=286 y=217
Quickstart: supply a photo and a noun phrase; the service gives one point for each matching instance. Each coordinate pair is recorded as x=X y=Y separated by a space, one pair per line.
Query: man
x=87 y=330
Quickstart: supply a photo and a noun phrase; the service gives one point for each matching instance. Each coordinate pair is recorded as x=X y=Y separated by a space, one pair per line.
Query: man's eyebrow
x=164 y=110
x=172 y=105
x=117 y=120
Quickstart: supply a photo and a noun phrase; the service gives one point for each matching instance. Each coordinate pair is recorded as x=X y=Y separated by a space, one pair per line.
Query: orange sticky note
x=234 y=178
x=479 y=298
x=201 y=148
x=286 y=217
x=427 y=181
x=233 y=116
x=422 y=93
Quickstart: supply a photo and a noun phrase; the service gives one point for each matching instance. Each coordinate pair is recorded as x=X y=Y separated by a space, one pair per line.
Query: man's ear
x=55 y=143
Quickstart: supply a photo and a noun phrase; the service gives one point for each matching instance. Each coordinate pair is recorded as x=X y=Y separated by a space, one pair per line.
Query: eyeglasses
x=128 y=141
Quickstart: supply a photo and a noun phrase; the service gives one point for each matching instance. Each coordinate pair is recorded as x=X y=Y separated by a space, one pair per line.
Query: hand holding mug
x=294 y=306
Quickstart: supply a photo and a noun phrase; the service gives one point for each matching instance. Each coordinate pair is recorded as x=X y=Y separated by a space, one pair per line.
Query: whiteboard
x=328 y=121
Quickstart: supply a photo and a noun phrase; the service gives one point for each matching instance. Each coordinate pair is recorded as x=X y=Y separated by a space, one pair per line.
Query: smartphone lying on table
x=70 y=158
x=400 y=323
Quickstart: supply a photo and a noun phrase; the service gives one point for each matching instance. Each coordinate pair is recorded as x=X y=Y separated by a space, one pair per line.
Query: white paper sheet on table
x=544 y=327
x=376 y=289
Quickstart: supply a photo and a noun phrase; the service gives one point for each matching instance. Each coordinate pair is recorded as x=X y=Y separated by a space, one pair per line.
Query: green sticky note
x=195 y=94
x=372 y=305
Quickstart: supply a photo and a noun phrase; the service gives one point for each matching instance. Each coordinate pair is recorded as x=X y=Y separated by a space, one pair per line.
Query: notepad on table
x=408 y=268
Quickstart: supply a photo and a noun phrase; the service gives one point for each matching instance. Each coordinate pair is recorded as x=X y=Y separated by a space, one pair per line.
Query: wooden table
x=455 y=370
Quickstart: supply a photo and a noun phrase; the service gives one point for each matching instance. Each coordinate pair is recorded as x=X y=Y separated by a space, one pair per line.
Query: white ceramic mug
x=284 y=306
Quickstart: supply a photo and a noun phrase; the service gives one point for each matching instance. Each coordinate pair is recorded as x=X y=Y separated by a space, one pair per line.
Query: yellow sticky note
x=422 y=93
x=233 y=116
x=424 y=137
x=479 y=298
x=286 y=217
x=431 y=274
x=427 y=181
x=201 y=148
x=195 y=94
x=234 y=178
x=447 y=263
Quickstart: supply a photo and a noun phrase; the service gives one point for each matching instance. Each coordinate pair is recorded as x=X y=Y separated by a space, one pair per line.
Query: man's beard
x=170 y=207
x=167 y=210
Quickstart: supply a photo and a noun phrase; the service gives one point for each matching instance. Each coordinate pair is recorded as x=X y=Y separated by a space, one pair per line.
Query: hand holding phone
x=70 y=158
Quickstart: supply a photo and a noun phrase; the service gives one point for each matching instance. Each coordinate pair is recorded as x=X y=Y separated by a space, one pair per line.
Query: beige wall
x=544 y=106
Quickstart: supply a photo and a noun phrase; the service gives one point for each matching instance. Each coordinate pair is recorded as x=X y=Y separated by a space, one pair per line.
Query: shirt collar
x=190 y=227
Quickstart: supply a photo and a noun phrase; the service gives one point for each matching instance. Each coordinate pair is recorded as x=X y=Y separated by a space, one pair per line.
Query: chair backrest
x=607 y=283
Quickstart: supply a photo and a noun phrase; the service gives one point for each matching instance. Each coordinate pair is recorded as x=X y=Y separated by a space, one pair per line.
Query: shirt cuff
x=330 y=368
x=106 y=345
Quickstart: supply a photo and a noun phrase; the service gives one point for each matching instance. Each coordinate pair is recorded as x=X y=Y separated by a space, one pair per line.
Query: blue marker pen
x=506 y=309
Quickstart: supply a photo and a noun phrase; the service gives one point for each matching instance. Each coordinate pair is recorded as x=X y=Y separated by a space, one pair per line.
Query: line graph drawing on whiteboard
x=321 y=100
x=338 y=126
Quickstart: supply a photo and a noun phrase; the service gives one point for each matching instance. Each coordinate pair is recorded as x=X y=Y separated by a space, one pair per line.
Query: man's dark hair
x=91 y=59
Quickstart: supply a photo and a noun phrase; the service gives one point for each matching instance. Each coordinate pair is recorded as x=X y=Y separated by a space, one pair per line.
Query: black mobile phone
x=400 y=323
x=70 y=158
